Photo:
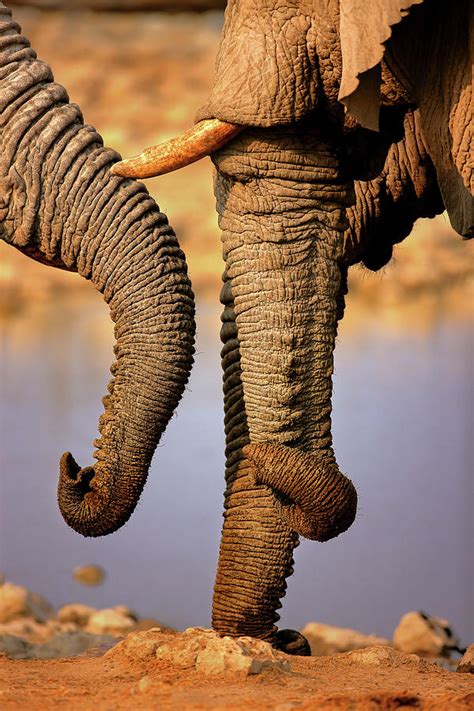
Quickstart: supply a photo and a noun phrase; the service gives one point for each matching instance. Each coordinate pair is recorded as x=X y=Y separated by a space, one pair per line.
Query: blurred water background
x=403 y=413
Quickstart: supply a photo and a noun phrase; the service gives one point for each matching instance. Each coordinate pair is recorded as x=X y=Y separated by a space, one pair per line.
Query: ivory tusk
x=201 y=140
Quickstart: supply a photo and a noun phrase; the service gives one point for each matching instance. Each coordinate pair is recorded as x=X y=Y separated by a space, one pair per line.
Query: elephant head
x=304 y=189
x=59 y=204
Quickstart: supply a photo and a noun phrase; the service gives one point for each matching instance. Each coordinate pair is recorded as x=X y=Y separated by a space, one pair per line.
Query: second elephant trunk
x=59 y=203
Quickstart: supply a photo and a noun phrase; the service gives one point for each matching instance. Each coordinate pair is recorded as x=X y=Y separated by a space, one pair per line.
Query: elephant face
x=281 y=62
x=59 y=203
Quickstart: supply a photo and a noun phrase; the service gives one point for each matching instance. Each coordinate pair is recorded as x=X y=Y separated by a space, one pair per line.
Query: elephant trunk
x=282 y=214
x=152 y=306
x=281 y=200
x=59 y=202
x=318 y=501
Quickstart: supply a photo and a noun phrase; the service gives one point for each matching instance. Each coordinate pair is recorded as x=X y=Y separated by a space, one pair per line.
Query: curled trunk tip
x=91 y=501
x=318 y=501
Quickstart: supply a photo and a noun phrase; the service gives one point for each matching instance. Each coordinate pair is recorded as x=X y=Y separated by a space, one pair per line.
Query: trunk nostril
x=68 y=467
x=71 y=474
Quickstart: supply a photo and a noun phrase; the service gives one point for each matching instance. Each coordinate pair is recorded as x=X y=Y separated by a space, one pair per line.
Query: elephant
x=332 y=128
x=60 y=205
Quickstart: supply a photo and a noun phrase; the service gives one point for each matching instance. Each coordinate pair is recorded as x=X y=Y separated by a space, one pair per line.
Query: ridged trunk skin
x=59 y=203
x=281 y=201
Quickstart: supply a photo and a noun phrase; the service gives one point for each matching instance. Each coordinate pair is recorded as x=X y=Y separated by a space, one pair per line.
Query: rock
x=140 y=645
x=466 y=663
x=144 y=684
x=111 y=622
x=32 y=631
x=126 y=612
x=70 y=644
x=89 y=575
x=244 y=655
x=419 y=633
x=14 y=647
x=75 y=614
x=148 y=623
x=17 y=601
x=203 y=649
x=382 y=656
x=2 y=578
x=62 y=645
x=325 y=640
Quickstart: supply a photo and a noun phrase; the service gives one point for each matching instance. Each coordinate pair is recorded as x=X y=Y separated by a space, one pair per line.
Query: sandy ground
x=103 y=684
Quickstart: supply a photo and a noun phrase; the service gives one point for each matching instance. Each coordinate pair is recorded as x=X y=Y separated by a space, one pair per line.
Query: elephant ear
x=364 y=27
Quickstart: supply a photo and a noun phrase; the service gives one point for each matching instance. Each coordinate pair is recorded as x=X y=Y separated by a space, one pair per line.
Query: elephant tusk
x=201 y=140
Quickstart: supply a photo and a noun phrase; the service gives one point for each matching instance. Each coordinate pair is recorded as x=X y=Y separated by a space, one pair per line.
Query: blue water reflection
x=402 y=415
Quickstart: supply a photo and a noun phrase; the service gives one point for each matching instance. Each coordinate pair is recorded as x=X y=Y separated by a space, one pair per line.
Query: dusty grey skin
x=303 y=193
x=59 y=204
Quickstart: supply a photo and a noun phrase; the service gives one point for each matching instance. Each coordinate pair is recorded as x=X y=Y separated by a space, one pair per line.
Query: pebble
x=89 y=575
x=466 y=663
x=325 y=640
x=419 y=633
x=76 y=614
x=111 y=622
x=16 y=601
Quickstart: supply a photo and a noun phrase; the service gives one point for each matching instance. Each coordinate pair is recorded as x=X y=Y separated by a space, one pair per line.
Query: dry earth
x=340 y=682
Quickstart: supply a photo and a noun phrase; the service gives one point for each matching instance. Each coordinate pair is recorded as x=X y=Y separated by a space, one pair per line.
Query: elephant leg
x=257 y=543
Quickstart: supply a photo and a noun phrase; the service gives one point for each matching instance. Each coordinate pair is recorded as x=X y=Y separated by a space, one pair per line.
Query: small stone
x=244 y=655
x=125 y=611
x=325 y=640
x=208 y=652
x=75 y=614
x=14 y=647
x=28 y=629
x=419 y=633
x=89 y=574
x=148 y=623
x=2 y=578
x=70 y=644
x=62 y=645
x=384 y=656
x=139 y=645
x=110 y=622
x=466 y=663
x=144 y=684
x=17 y=601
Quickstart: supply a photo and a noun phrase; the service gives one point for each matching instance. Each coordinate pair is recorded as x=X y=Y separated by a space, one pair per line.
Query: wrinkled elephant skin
x=60 y=205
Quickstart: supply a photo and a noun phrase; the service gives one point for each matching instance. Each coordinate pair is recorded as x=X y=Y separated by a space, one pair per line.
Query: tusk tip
x=121 y=169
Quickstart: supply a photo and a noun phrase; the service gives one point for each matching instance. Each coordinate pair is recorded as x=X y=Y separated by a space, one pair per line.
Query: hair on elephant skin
x=59 y=204
x=332 y=129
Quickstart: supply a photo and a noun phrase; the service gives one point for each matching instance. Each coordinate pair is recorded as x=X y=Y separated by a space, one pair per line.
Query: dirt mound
x=375 y=678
